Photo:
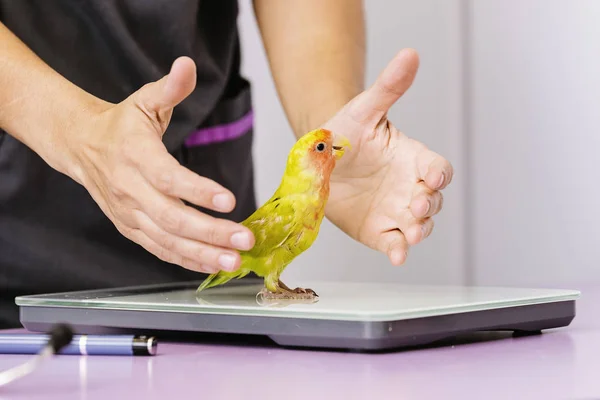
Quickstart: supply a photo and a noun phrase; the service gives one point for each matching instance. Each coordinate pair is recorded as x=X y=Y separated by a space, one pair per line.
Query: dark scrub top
x=53 y=236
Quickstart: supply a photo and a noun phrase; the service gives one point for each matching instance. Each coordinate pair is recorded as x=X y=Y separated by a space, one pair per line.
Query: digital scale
x=353 y=316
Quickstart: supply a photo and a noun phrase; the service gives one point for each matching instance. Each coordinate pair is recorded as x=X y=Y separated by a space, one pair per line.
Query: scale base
x=391 y=317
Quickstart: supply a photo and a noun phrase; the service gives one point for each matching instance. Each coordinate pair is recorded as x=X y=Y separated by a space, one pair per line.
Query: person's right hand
x=119 y=157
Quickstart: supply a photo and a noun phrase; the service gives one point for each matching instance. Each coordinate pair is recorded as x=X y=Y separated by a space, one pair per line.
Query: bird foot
x=306 y=291
x=284 y=288
x=288 y=294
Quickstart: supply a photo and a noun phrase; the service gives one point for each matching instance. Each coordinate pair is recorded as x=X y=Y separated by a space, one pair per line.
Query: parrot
x=288 y=223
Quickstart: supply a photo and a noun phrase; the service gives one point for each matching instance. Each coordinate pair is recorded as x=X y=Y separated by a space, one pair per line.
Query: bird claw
x=282 y=294
x=283 y=288
x=305 y=291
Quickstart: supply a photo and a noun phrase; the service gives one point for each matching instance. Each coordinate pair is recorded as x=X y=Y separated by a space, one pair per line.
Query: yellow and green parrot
x=288 y=223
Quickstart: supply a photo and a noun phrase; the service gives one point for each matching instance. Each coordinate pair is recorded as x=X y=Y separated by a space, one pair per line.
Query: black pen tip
x=60 y=337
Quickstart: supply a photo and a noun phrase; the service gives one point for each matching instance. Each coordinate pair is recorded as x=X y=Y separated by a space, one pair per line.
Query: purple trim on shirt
x=221 y=133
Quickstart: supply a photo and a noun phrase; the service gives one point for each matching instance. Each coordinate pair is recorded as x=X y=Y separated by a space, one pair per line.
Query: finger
x=139 y=237
x=421 y=203
x=427 y=226
x=414 y=229
x=426 y=202
x=417 y=230
x=405 y=221
x=172 y=216
x=434 y=170
x=174 y=180
x=157 y=99
x=394 y=245
x=396 y=78
x=212 y=257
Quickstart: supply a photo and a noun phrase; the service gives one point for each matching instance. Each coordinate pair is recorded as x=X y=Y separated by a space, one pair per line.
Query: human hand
x=117 y=154
x=385 y=191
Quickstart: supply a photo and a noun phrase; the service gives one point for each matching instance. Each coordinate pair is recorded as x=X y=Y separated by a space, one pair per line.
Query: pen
x=118 y=345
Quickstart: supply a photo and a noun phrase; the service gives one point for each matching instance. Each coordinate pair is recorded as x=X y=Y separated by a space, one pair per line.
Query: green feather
x=286 y=225
x=222 y=277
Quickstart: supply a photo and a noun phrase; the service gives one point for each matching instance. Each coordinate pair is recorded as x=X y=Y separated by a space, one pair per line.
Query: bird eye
x=321 y=146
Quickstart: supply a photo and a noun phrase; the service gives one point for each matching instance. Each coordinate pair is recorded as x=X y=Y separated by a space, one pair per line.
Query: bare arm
x=36 y=103
x=106 y=147
x=316 y=50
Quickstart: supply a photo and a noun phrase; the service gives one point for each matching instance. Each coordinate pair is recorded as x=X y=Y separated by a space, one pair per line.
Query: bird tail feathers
x=221 y=278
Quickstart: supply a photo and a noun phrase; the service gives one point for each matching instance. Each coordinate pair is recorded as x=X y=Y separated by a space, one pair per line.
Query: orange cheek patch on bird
x=288 y=223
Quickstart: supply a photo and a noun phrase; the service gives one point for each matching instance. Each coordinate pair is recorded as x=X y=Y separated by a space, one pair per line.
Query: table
x=558 y=364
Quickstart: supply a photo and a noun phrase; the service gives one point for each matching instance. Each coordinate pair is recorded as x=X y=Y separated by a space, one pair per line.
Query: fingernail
x=240 y=241
x=423 y=232
x=427 y=207
x=222 y=202
x=441 y=182
x=227 y=261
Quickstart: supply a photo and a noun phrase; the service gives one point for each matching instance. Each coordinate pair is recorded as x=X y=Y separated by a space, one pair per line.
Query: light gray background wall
x=534 y=140
x=507 y=92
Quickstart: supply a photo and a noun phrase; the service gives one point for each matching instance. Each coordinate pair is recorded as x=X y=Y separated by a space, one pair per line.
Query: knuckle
x=196 y=253
x=170 y=219
x=118 y=190
x=213 y=234
x=124 y=230
x=211 y=269
x=152 y=248
x=189 y=264
x=199 y=193
x=166 y=241
x=395 y=245
x=133 y=216
x=200 y=253
x=164 y=254
x=208 y=269
x=165 y=182
x=390 y=89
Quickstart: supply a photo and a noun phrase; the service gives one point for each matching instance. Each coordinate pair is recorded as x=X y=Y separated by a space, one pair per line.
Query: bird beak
x=340 y=144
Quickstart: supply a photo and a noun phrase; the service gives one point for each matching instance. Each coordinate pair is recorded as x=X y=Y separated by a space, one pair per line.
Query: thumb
x=157 y=99
x=391 y=84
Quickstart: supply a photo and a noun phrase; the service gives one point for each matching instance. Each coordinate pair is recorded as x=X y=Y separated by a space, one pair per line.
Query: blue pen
x=119 y=345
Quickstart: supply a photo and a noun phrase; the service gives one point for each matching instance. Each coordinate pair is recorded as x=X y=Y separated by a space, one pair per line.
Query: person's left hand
x=385 y=190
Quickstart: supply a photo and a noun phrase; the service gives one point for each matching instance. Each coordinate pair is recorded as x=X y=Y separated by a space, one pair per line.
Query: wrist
x=68 y=133
x=321 y=108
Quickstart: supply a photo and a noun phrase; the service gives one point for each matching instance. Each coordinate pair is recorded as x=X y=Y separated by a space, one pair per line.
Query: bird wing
x=273 y=224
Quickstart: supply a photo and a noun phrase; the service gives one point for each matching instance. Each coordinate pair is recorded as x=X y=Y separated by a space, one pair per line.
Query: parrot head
x=311 y=161
x=317 y=151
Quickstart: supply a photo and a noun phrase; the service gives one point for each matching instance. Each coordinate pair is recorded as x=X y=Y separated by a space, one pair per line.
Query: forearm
x=37 y=105
x=316 y=50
